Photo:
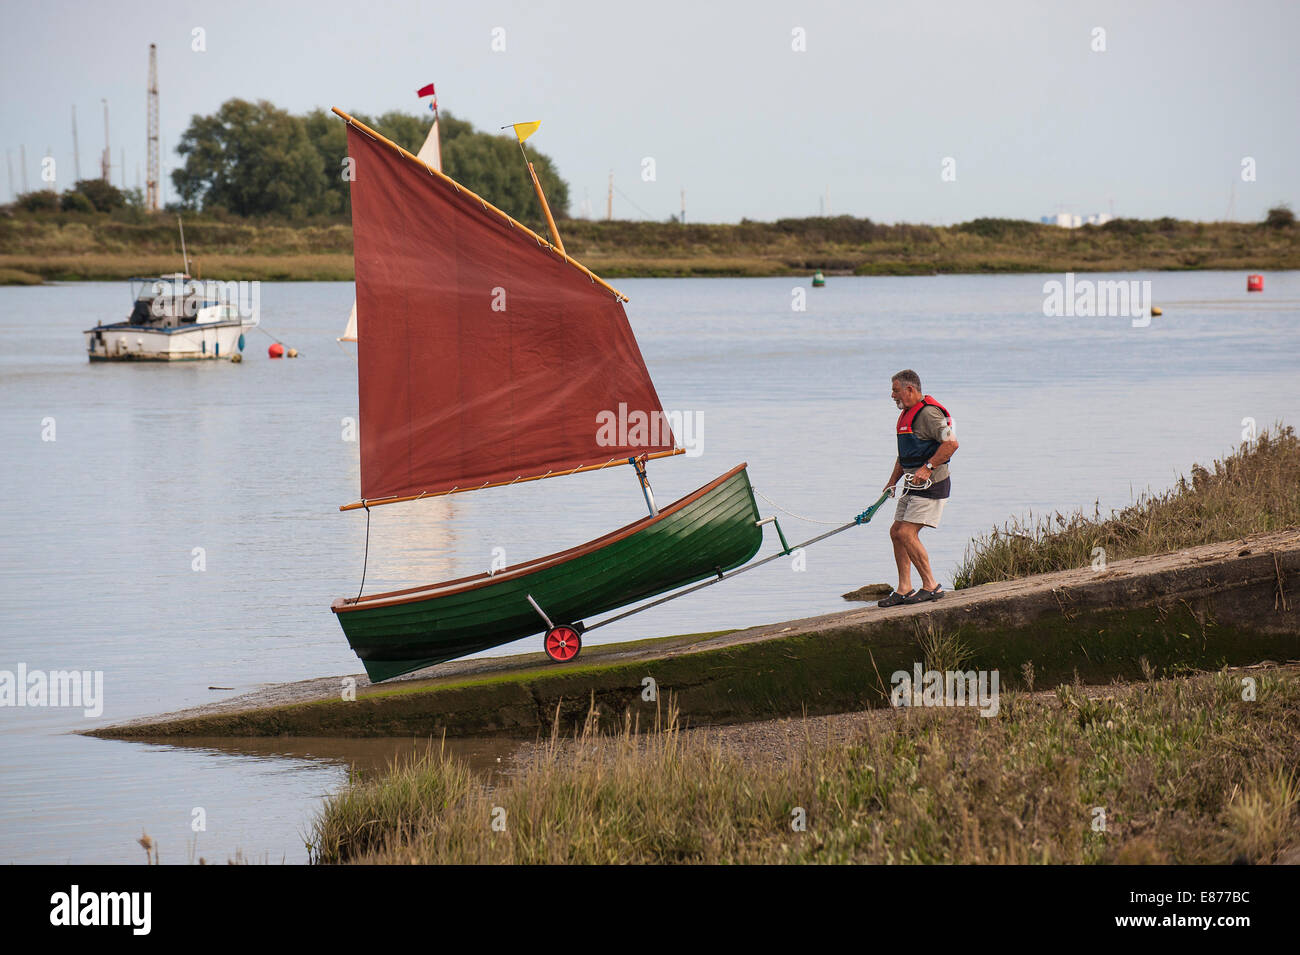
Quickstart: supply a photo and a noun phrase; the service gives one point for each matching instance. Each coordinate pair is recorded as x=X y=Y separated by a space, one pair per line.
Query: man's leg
x=898 y=535
x=909 y=537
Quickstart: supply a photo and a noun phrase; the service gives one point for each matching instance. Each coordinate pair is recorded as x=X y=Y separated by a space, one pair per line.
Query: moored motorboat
x=176 y=318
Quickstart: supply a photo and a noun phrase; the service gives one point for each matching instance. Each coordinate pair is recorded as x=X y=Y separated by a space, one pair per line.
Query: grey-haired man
x=926 y=442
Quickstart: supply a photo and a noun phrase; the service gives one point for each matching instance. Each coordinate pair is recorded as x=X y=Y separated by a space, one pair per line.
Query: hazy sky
x=1157 y=124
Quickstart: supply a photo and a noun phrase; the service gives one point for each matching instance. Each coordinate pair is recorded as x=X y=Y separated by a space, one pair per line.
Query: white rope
x=907 y=486
x=792 y=513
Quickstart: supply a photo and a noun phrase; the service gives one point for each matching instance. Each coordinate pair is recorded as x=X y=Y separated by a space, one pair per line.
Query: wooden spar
x=541 y=197
x=487 y=206
x=550 y=220
x=613 y=462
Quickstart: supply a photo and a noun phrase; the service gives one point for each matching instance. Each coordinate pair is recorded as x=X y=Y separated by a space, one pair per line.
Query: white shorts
x=920 y=510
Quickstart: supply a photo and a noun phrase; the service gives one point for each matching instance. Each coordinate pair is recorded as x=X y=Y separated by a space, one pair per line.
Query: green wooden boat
x=706 y=533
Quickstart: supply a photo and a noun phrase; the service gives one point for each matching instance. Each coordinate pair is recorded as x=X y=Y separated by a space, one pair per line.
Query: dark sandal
x=895 y=598
x=922 y=595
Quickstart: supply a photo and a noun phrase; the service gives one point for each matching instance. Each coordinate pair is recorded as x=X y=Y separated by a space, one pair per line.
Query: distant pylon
x=76 y=150
x=151 y=180
x=105 y=161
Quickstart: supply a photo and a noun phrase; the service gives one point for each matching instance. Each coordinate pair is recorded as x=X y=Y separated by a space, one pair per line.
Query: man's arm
x=947 y=447
x=894 y=475
x=939 y=458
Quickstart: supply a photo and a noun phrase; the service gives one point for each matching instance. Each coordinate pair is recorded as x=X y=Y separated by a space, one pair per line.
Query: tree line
x=257 y=160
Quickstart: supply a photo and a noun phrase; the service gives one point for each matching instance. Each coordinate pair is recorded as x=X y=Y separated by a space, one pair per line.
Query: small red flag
x=425 y=90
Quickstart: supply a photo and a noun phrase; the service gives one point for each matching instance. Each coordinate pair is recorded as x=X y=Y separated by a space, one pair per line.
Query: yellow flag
x=524 y=130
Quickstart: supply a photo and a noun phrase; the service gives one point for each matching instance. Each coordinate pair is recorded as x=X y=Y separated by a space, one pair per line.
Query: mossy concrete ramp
x=1202 y=608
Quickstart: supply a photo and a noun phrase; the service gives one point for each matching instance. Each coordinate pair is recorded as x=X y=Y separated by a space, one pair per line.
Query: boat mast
x=184 y=256
x=644 y=479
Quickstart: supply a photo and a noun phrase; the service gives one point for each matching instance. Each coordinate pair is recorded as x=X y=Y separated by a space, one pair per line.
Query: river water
x=181 y=531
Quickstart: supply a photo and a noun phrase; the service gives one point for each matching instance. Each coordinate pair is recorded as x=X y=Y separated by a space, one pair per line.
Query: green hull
x=705 y=533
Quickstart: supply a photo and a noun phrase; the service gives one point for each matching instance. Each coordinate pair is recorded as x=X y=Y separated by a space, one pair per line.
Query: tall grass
x=1185 y=770
x=1252 y=490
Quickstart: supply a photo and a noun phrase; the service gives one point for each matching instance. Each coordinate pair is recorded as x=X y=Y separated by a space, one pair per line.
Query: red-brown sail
x=486 y=357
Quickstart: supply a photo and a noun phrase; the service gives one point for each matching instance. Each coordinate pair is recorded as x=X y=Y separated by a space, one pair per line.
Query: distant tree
x=104 y=196
x=43 y=200
x=487 y=163
x=491 y=166
x=992 y=228
x=252 y=158
x=76 y=202
x=255 y=159
x=329 y=138
x=1280 y=217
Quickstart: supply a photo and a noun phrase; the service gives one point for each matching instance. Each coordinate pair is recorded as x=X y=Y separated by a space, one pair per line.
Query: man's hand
x=922 y=474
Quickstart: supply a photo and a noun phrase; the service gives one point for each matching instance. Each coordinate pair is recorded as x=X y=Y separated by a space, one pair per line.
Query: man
x=925 y=443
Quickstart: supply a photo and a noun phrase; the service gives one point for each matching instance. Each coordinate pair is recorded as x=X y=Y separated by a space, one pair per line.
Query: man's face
x=904 y=395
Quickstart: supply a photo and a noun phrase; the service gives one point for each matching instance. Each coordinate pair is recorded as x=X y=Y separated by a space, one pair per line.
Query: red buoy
x=276 y=350
x=1254 y=283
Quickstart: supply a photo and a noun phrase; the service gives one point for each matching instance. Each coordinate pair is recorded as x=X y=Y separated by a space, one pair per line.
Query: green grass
x=1253 y=490
x=100 y=246
x=1186 y=771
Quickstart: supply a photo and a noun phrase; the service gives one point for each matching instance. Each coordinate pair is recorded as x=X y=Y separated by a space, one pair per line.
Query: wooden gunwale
x=476 y=581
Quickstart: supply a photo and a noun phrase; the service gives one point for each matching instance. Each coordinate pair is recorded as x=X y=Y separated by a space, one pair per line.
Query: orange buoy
x=291 y=353
x=1254 y=283
x=276 y=350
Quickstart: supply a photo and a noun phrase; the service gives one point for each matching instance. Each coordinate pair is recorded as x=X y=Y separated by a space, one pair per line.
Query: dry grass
x=1252 y=490
x=18 y=277
x=252 y=248
x=1186 y=771
x=316 y=267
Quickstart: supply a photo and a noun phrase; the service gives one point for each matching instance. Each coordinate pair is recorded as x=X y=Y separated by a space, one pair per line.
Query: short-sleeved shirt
x=931 y=425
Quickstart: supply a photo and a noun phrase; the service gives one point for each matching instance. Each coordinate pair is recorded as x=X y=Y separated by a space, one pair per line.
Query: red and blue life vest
x=912 y=451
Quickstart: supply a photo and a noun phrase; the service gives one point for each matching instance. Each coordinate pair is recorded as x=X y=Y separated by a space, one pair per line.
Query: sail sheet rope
x=365 y=561
x=797 y=517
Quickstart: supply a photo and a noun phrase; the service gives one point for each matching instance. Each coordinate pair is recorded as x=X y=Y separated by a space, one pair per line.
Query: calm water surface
x=248 y=462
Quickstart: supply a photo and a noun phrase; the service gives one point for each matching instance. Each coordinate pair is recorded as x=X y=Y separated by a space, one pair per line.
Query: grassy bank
x=1185 y=770
x=1253 y=490
x=18 y=277
x=101 y=246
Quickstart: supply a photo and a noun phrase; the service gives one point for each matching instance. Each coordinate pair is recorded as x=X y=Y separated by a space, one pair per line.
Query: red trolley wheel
x=562 y=643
